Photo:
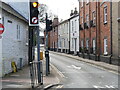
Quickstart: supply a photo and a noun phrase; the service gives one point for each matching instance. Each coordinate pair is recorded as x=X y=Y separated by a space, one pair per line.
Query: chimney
x=75 y=12
x=71 y=13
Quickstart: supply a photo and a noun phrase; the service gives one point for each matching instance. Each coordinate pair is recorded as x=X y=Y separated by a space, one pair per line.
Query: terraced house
x=98 y=33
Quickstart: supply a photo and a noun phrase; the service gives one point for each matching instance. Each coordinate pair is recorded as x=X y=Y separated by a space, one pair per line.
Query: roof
x=12 y=11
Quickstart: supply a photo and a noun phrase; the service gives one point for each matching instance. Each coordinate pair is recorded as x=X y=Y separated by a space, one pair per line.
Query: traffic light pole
x=47 y=52
x=38 y=54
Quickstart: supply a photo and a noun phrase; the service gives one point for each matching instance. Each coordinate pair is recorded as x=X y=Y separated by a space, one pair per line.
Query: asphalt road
x=77 y=74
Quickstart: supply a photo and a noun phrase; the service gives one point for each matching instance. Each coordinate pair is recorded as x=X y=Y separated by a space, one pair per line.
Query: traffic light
x=33 y=17
x=49 y=24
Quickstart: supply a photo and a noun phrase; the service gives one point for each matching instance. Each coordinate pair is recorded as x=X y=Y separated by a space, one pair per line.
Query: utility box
x=46 y=53
x=41 y=55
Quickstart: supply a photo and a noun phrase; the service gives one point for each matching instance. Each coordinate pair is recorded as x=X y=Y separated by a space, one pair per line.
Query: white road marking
x=76 y=67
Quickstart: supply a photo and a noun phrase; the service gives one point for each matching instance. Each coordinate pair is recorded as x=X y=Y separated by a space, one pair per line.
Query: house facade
x=74 y=34
x=63 y=37
x=116 y=31
x=14 y=40
x=97 y=36
x=54 y=35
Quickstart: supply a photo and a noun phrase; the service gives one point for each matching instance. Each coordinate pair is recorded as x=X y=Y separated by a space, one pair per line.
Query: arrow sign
x=1 y=28
x=34 y=20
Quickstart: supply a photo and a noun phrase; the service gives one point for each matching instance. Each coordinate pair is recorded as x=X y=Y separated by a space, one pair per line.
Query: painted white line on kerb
x=60 y=73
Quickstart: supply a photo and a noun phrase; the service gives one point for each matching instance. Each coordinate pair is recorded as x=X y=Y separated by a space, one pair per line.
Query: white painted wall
x=63 y=35
x=74 y=34
x=12 y=48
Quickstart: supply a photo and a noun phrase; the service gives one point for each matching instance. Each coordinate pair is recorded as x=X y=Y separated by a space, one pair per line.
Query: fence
x=34 y=73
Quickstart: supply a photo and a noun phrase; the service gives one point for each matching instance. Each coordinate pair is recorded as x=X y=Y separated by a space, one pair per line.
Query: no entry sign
x=1 y=28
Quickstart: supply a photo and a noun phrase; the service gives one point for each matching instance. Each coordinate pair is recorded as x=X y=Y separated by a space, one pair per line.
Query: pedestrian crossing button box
x=46 y=53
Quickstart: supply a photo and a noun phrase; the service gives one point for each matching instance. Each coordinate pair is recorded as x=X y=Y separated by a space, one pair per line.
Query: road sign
x=1 y=28
x=34 y=20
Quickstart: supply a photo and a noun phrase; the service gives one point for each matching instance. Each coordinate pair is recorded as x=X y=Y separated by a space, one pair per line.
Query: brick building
x=54 y=35
x=96 y=32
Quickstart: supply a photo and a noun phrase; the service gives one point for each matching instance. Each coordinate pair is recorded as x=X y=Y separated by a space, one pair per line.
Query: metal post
x=47 y=52
x=30 y=54
x=38 y=54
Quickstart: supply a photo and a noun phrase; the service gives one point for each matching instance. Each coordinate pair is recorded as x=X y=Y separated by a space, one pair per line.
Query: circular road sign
x=1 y=28
x=35 y=20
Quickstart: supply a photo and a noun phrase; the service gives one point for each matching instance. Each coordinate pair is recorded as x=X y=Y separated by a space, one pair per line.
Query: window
x=72 y=43
x=94 y=46
x=94 y=18
x=87 y=1
x=105 y=14
x=87 y=20
x=81 y=3
x=18 y=32
x=72 y=26
x=82 y=44
x=87 y=44
x=82 y=21
x=75 y=25
x=105 y=47
x=64 y=42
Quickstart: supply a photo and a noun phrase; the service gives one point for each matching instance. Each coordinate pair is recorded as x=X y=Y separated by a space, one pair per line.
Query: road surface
x=77 y=74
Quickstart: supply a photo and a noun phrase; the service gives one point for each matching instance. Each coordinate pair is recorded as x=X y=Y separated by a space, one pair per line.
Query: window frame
x=87 y=19
x=105 y=14
x=94 y=17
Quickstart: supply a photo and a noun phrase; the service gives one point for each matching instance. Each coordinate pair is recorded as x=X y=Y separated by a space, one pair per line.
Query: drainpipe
x=69 y=34
x=96 y=30
x=79 y=26
x=111 y=31
x=89 y=30
x=84 y=29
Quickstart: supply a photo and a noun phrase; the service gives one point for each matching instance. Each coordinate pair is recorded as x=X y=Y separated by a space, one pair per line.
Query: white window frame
x=105 y=46
x=94 y=17
x=82 y=44
x=87 y=44
x=105 y=14
x=87 y=20
x=82 y=3
x=87 y=1
x=94 y=46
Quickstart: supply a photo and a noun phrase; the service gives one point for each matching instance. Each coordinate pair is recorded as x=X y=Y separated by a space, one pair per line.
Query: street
x=79 y=74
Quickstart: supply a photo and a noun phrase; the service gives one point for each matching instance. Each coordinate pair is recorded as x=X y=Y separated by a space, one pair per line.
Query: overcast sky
x=62 y=8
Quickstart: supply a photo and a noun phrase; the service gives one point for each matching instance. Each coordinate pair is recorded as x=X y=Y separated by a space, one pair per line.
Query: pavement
x=110 y=67
x=21 y=79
